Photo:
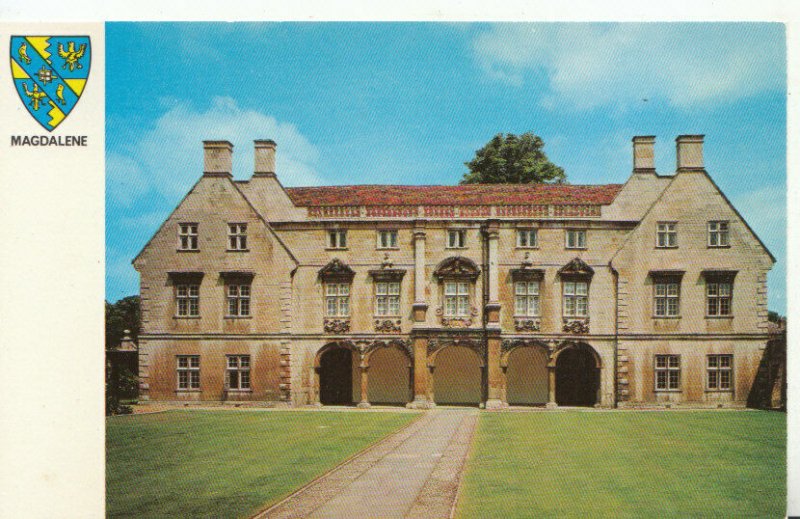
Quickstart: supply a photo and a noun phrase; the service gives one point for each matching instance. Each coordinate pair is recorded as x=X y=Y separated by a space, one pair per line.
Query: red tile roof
x=472 y=194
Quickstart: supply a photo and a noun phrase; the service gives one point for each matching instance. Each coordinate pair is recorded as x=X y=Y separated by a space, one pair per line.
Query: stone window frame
x=190 y=371
x=187 y=300
x=237 y=237
x=188 y=237
x=575 y=281
x=393 y=240
x=470 y=291
x=334 y=292
x=717 y=370
x=241 y=366
x=667 y=230
x=336 y=239
x=576 y=242
x=668 y=369
x=527 y=295
x=719 y=229
x=666 y=279
x=389 y=297
x=461 y=241
x=238 y=286
x=718 y=279
x=527 y=232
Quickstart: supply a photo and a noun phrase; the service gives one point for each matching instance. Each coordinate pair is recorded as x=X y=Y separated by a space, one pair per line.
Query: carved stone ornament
x=457 y=322
x=336 y=270
x=576 y=267
x=577 y=326
x=526 y=325
x=457 y=267
x=387 y=325
x=337 y=325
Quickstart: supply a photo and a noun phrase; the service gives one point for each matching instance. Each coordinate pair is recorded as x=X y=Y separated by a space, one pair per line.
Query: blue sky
x=384 y=103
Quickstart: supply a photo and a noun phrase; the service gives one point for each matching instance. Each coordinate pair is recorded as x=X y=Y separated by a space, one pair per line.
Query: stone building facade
x=652 y=292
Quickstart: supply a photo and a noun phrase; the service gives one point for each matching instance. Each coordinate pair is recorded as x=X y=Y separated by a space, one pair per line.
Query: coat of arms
x=50 y=73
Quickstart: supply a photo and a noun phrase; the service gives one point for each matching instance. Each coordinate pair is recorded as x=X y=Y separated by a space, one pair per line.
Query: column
x=420 y=305
x=315 y=388
x=551 y=386
x=364 y=403
x=494 y=373
x=493 y=306
x=504 y=385
x=421 y=389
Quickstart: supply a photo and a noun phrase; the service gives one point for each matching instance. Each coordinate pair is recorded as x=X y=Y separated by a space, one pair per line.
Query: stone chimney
x=264 y=158
x=689 y=152
x=217 y=159
x=643 y=154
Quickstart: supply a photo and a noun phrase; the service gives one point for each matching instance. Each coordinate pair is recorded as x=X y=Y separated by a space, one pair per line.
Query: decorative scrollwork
x=576 y=326
x=526 y=325
x=336 y=325
x=387 y=325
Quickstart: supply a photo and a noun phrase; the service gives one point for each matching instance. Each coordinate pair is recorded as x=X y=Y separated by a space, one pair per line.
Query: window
x=718 y=297
x=718 y=234
x=387 y=298
x=576 y=299
x=187 y=236
x=237 y=374
x=576 y=239
x=187 y=297
x=456 y=239
x=666 y=235
x=387 y=239
x=238 y=300
x=719 y=370
x=527 y=238
x=526 y=298
x=337 y=239
x=188 y=372
x=666 y=296
x=668 y=372
x=237 y=236
x=456 y=298
x=337 y=299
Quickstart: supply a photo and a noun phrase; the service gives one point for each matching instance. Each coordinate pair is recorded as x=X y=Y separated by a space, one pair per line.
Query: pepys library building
x=653 y=292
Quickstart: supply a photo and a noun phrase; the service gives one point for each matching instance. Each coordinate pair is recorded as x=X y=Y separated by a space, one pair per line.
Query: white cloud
x=169 y=158
x=590 y=65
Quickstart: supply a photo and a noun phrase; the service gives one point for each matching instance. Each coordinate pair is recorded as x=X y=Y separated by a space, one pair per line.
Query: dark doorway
x=577 y=378
x=336 y=377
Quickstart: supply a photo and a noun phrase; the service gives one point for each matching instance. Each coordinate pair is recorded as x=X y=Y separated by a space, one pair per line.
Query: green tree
x=512 y=159
x=123 y=315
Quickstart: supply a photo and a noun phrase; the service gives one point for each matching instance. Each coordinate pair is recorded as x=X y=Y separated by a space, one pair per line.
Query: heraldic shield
x=50 y=73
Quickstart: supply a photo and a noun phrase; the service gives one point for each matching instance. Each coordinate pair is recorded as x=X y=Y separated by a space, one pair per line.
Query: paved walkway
x=412 y=473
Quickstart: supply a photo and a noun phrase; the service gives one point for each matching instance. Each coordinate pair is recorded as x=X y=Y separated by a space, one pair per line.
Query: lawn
x=627 y=464
x=227 y=463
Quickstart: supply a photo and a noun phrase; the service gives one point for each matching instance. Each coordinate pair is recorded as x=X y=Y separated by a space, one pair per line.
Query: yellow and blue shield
x=50 y=74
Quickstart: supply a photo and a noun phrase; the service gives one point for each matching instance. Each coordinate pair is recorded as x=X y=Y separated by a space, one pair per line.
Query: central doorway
x=336 y=377
x=577 y=377
x=457 y=377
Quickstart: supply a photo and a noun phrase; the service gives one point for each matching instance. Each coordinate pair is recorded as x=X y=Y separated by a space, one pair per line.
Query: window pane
x=463 y=288
x=724 y=379
x=661 y=380
x=582 y=306
x=344 y=306
x=450 y=288
x=244 y=307
x=519 y=305
x=244 y=379
x=661 y=307
x=672 y=289
x=661 y=289
x=674 y=379
x=672 y=307
x=195 y=379
x=569 y=288
x=394 y=305
x=233 y=362
x=533 y=288
x=183 y=362
x=380 y=304
x=233 y=379
x=463 y=305
x=661 y=361
x=581 y=238
x=533 y=304
x=569 y=305
x=712 y=379
x=331 y=305
x=183 y=379
x=724 y=306
x=380 y=289
x=674 y=361
x=713 y=361
x=520 y=288
x=344 y=289
x=581 y=288
x=330 y=289
x=724 y=289
x=244 y=361
x=394 y=289
x=233 y=306
x=725 y=361
x=233 y=290
x=195 y=362
x=450 y=302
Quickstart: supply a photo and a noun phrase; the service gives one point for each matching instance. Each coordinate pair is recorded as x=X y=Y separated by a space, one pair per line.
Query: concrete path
x=412 y=473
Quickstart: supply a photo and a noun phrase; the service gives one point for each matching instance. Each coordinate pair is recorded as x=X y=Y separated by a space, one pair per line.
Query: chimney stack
x=689 y=152
x=264 y=158
x=217 y=158
x=643 y=154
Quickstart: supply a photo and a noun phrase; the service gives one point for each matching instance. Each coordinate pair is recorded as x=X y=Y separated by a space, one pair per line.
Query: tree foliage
x=512 y=159
x=123 y=315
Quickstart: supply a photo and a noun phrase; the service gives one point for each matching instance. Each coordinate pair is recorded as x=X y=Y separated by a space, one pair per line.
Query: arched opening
x=457 y=377
x=389 y=377
x=336 y=376
x=526 y=376
x=577 y=376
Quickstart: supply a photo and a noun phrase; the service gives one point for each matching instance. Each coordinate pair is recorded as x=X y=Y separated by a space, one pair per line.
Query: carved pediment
x=457 y=266
x=576 y=267
x=336 y=270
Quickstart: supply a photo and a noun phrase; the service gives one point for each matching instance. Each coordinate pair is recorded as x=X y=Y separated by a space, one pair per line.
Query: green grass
x=227 y=463
x=627 y=464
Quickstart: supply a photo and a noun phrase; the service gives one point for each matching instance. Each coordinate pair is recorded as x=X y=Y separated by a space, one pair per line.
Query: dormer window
x=666 y=235
x=337 y=239
x=187 y=236
x=237 y=236
x=718 y=234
